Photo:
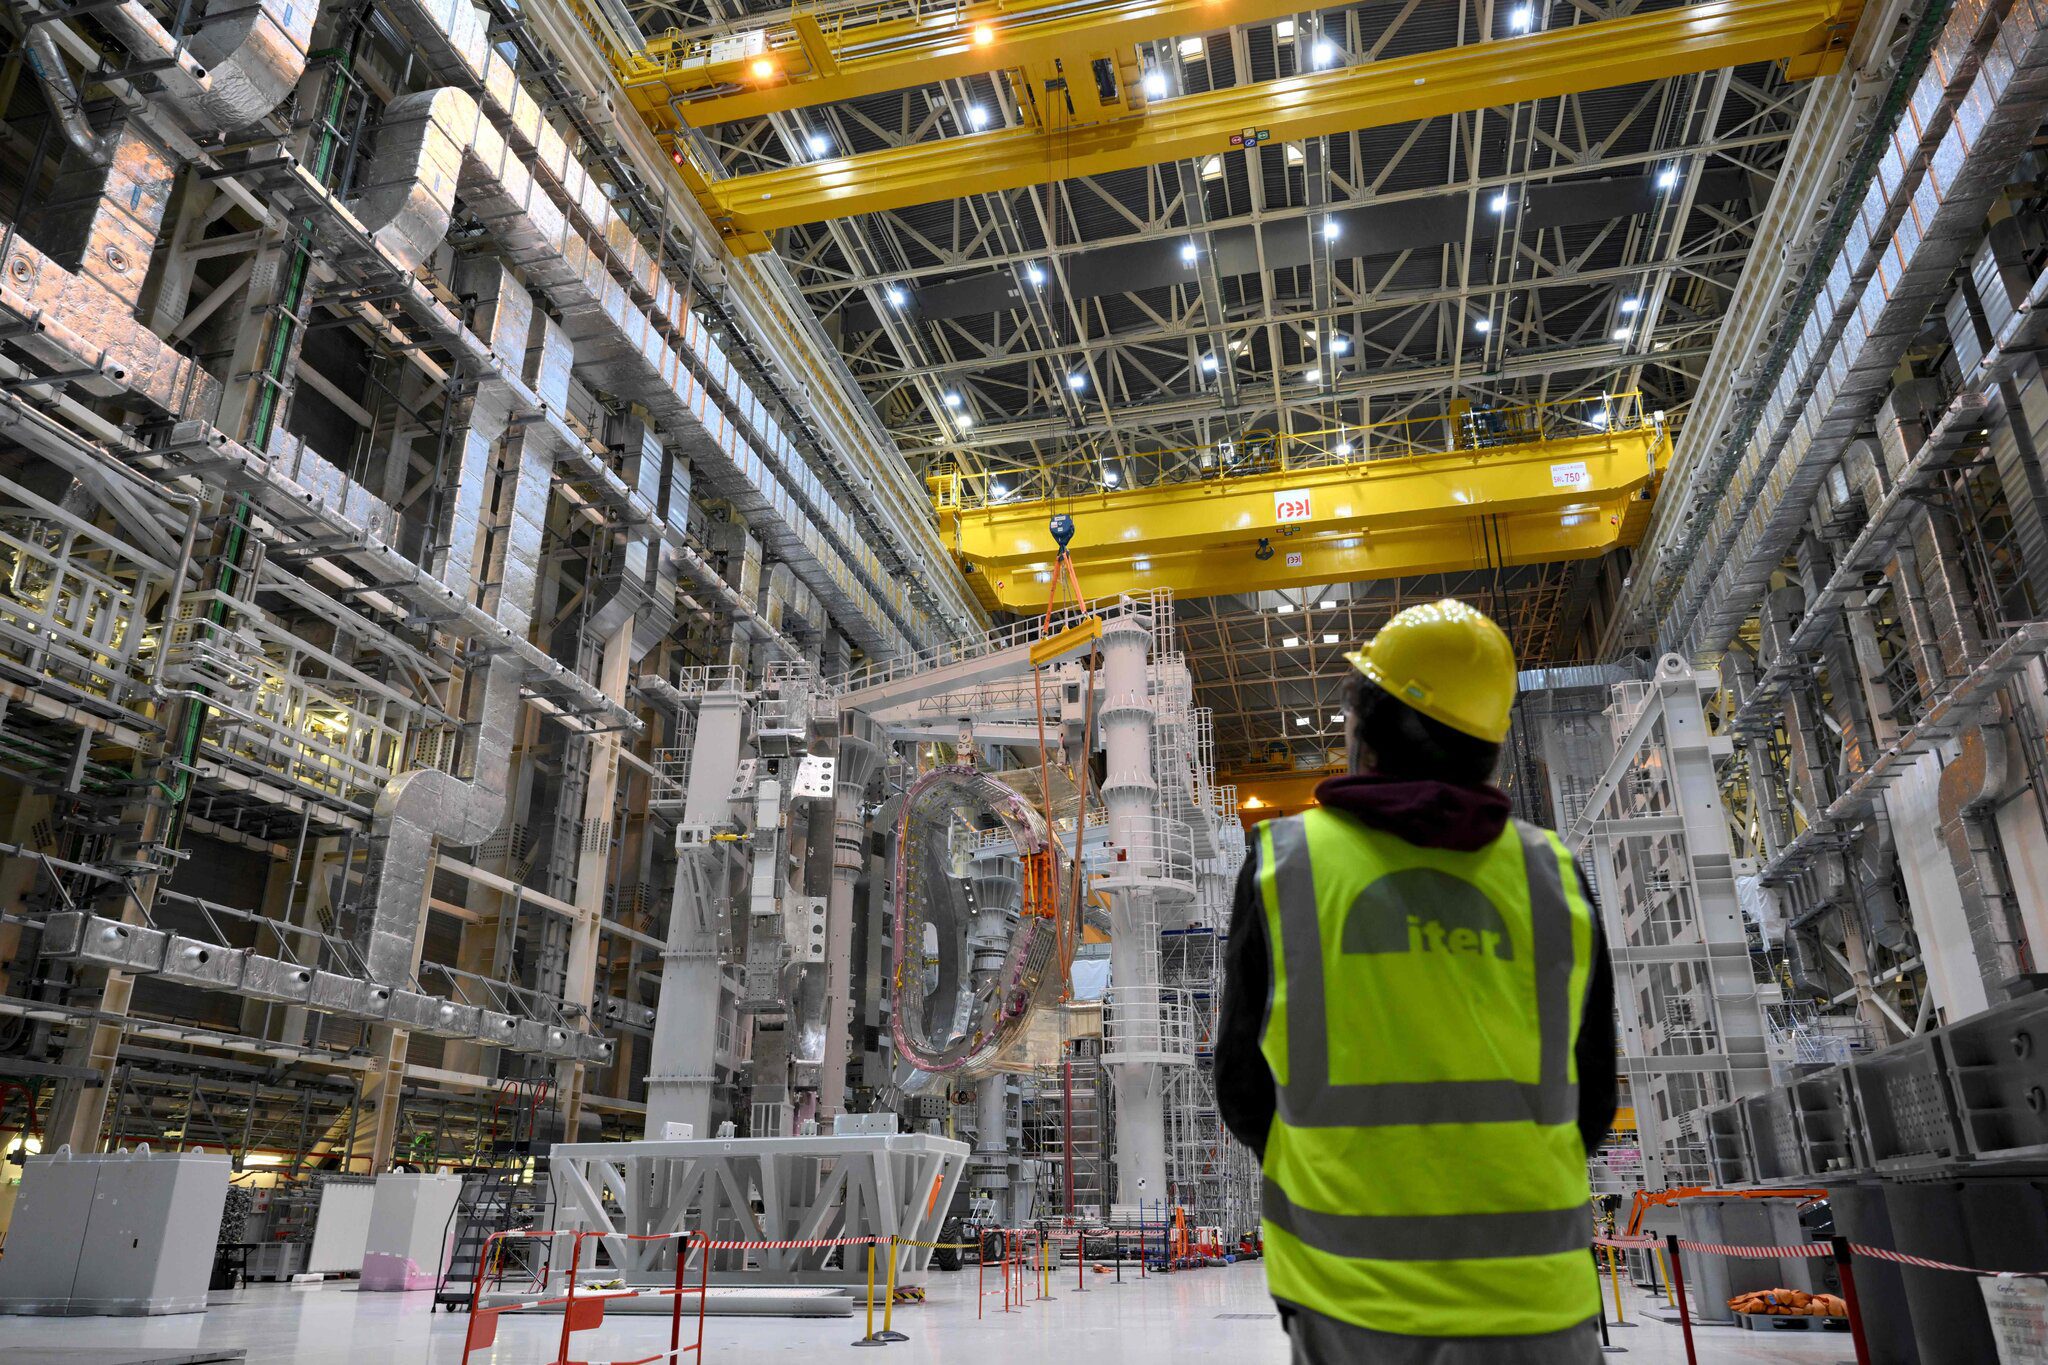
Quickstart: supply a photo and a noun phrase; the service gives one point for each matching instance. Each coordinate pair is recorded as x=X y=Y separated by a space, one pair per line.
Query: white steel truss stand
x=1653 y=836
x=807 y=1188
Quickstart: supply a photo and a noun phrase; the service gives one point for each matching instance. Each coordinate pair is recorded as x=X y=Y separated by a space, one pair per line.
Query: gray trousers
x=1322 y=1340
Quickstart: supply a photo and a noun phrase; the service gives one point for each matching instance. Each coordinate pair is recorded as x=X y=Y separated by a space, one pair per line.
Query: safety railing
x=1024 y=632
x=1159 y=855
x=342 y=734
x=1148 y=1024
x=700 y=679
x=72 y=604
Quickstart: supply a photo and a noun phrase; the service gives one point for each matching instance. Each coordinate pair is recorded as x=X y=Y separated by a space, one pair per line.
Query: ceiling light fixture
x=1332 y=229
x=1290 y=641
x=983 y=35
x=1343 y=449
x=977 y=117
x=897 y=298
x=952 y=400
x=818 y=143
x=1077 y=381
x=1155 y=84
x=1188 y=252
x=1322 y=54
x=1500 y=202
x=1312 y=377
x=763 y=69
x=1630 y=304
x=1034 y=274
x=1519 y=19
x=1667 y=177
x=1481 y=325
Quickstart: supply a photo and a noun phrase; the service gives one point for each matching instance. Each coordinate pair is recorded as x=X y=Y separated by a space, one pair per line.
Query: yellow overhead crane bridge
x=1074 y=74
x=1295 y=513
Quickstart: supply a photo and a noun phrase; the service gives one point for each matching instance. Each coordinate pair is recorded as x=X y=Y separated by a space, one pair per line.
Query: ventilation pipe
x=435 y=143
x=106 y=209
x=1874 y=857
x=1971 y=783
x=426 y=804
x=246 y=56
x=61 y=91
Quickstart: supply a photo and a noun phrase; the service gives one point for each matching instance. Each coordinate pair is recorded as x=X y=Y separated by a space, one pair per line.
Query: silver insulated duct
x=239 y=65
x=427 y=804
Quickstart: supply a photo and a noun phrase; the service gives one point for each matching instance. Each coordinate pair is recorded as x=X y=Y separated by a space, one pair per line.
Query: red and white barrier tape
x=804 y=1245
x=1628 y=1243
x=1900 y=1257
x=1817 y=1249
x=1756 y=1253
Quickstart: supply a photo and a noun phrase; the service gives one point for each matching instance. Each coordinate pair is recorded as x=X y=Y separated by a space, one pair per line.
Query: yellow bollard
x=889 y=1303
x=871 y=1339
x=1665 y=1266
x=1614 y=1277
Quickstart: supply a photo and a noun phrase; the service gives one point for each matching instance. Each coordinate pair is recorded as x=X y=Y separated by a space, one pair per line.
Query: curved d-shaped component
x=942 y=1021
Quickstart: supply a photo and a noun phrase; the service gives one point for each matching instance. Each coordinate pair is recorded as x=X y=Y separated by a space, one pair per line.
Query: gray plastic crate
x=1909 y=1117
x=1728 y=1146
x=1774 y=1137
x=1828 y=1123
x=1998 y=1069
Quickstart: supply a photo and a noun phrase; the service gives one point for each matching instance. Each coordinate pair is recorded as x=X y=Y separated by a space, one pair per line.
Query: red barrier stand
x=1678 y=1285
x=584 y=1310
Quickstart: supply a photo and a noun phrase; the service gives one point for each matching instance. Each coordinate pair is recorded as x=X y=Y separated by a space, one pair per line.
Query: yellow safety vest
x=1424 y=1174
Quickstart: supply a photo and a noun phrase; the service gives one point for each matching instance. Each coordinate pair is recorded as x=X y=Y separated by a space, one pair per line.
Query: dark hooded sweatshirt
x=1430 y=815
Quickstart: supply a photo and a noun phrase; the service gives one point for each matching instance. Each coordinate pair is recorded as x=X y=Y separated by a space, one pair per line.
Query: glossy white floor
x=1200 y=1315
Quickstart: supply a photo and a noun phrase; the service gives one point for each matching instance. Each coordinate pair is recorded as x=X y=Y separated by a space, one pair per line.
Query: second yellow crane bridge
x=1315 y=521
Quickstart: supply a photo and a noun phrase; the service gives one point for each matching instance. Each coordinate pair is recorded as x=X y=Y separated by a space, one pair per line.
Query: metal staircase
x=509 y=1192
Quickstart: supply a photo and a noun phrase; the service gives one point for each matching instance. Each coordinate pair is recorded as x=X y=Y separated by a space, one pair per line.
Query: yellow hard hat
x=1450 y=662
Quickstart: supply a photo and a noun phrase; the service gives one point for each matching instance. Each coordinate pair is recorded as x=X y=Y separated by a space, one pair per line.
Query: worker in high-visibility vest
x=1417 y=1031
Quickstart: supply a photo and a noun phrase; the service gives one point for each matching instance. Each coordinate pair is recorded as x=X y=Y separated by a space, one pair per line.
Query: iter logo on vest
x=1424 y=910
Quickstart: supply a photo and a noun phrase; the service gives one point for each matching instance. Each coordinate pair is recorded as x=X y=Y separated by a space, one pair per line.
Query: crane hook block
x=1062 y=528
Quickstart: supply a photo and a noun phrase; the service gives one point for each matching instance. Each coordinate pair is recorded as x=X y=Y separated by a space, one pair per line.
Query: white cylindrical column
x=1129 y=793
